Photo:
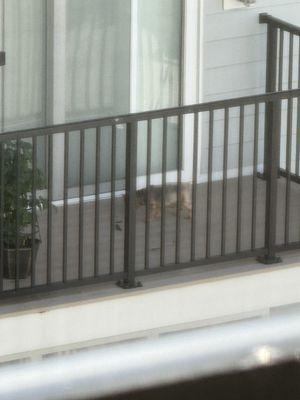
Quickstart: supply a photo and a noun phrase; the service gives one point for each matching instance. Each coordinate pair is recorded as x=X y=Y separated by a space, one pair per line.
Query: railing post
x=271 y=78
x=271 y=173
x=129 y=280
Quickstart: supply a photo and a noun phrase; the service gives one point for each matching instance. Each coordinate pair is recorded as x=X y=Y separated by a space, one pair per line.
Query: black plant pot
x=9 y=261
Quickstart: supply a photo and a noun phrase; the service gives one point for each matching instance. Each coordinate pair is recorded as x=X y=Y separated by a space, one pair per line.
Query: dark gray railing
x=283 y=72
x=222 y=211
x=166 y=189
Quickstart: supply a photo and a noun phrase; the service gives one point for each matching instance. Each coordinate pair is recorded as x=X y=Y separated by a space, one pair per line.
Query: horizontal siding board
x=216 y=6
x=246 y=76
x=233 y=77
x=235 y=51
x=234 y=65
x=232 y=24
x=243 y=50
x=235 y=48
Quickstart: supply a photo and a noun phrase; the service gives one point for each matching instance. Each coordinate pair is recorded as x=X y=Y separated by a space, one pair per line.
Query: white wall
x=234 y=65
x=235 y=46
x=147 y=311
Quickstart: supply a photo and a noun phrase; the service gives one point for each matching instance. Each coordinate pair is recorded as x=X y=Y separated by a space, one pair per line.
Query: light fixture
x=248 y=3
x=236 y=4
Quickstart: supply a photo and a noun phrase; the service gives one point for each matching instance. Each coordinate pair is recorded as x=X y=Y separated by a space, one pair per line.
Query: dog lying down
x=155 y=198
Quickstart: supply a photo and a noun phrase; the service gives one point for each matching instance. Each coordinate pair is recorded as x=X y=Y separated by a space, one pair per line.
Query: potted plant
x=19 y=206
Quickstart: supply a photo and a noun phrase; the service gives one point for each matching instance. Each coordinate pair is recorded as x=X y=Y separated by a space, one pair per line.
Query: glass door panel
x=159 y=37
x=97 y=58
x=116 y=56
x=158 y=60
x=23 y=31
x=97 y=73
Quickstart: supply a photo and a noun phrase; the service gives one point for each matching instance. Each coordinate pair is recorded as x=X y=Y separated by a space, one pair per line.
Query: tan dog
x=155 y=197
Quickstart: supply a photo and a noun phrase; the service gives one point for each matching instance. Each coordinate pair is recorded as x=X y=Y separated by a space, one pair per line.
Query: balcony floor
x=155 y=229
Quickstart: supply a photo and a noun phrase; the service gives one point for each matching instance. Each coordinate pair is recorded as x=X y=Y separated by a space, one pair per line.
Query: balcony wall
x=167 y=303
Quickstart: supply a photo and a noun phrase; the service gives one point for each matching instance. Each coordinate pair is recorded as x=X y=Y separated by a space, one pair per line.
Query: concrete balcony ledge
x=184 y=299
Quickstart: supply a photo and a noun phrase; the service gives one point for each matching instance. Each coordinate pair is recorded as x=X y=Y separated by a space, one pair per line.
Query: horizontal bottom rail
x=58 y=286
x=204 y=262
x=289 y=246
x=294 y=177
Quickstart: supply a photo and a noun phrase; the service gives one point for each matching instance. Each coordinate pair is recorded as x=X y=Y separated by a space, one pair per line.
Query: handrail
x=179 y=357
x=265 y=18
x=143 y=116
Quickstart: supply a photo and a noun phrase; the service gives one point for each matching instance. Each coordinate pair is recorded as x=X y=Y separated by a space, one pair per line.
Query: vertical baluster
x=289 y=141
x=254 y=184
x=163 y=192
x=81 y=203
x=66 y=208
x=2 y=183
x=291 y=61
x=179 y=184
x=129 y=280
x=17 y=205
x=209 y=182
x=280 y=61
x=113 y=200
x=298 y=121
x=49 y=215
x=225 y=177
x=194 y=187
x=97 y=202
x=148 y=179
x=33 y=210
x=240 y=180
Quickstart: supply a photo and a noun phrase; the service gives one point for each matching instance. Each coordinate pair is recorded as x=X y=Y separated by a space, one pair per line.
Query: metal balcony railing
x=171 y=207
x=283 y=72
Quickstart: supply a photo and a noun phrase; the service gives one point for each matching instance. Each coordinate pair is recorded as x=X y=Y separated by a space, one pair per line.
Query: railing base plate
x=126 y=284
x=268 y=260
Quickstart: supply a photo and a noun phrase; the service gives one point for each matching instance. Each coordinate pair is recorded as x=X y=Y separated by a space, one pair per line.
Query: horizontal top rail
x=266 y=18
x=146 y=115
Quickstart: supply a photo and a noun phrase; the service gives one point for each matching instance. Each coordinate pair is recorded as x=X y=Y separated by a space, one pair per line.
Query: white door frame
x=191 y=81
x=192 y=78
x=56 y=84
x=191 y=84
x=2 y=68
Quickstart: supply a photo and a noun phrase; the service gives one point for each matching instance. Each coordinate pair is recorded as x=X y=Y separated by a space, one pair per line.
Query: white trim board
x=121 y=313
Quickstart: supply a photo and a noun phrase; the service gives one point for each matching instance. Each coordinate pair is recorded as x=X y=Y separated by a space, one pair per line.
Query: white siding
x=234 y=65
x=234 y=56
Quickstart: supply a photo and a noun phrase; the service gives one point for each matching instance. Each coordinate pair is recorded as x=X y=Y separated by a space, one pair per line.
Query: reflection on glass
x=98 y=58
x=159 y=53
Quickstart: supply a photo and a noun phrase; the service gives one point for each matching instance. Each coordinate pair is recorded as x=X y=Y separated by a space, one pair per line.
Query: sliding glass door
x=121 y=56
x=23 y=37
x=157 y=74
x=72 y=60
